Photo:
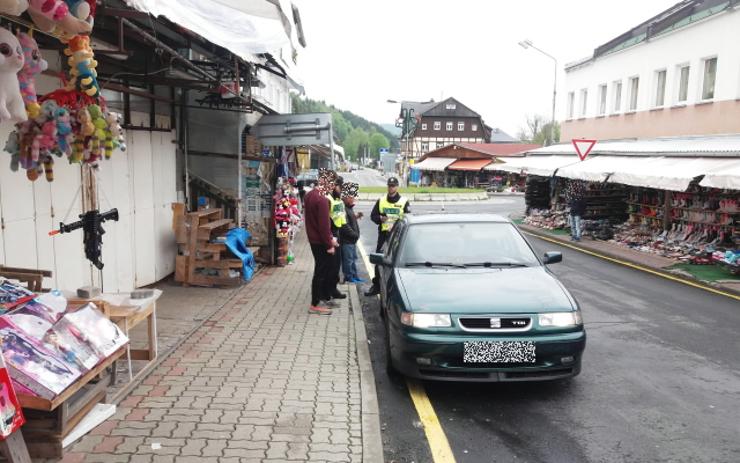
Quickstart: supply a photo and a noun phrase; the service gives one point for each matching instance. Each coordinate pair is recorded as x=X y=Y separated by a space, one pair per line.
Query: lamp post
x=526 y=44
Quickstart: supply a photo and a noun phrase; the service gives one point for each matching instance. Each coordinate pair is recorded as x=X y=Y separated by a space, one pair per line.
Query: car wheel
x=389 y=368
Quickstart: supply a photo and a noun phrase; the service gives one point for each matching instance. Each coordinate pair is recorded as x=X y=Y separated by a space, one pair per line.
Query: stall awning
x=724 y=176
x=434 y=164
x=244 y=28
x=661 y=172
x=534 y=165
x=470 y=165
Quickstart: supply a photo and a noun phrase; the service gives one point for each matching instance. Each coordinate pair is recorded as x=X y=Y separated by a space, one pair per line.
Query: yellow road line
x=635 y=266
x=436 y=438
x=438 y=444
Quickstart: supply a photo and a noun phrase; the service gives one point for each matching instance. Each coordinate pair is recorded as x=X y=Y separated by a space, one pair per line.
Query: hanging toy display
x=11 y=62
x=55 y=16
x=33 y=65
x=82 y=65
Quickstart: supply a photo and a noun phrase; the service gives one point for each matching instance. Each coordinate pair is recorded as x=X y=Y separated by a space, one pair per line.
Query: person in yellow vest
x=338 y=217
x=387 y=211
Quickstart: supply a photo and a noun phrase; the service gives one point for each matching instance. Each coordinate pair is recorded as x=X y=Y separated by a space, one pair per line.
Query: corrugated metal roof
x=710 y=146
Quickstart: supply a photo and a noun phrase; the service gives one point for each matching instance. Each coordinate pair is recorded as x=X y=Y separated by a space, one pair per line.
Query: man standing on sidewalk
x=323 y=244
x=349 y=234
x=387 y=211
x=338 y=219
x=577 y=203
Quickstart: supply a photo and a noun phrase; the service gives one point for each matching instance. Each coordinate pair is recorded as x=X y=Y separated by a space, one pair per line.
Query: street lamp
x=526 y=44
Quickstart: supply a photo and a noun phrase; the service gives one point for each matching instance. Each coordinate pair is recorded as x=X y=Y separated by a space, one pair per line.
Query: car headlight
x=426 y=320
x=561 y=319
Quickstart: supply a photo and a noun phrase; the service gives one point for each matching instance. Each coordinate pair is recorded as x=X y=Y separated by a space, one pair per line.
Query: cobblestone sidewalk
x=260 y=381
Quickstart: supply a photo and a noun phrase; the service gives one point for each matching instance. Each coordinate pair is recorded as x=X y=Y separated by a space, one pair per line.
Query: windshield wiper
x=433 y=264
x=495 y=264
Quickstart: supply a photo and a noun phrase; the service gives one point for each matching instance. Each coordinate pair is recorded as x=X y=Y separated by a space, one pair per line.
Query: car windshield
x=471 y=244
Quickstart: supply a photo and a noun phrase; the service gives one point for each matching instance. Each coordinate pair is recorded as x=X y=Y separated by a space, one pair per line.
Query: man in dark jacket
x=386 y=212
x=349 y=234
x=338 y=219
x=323 y=244
x=577 y=204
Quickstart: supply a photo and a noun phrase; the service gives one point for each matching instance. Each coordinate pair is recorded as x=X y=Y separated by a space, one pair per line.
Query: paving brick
x=107 y=445
x=214 y=447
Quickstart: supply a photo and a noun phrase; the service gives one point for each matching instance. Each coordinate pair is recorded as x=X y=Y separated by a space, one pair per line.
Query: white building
x=676 y=74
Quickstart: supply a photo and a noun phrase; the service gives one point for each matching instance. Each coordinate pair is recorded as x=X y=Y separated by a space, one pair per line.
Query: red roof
x=500 y=149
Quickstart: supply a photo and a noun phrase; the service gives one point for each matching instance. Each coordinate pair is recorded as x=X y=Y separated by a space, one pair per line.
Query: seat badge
x=495 y=322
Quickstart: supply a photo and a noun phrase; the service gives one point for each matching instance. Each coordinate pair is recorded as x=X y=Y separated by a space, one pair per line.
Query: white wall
x=138 y=250
x=716 y=36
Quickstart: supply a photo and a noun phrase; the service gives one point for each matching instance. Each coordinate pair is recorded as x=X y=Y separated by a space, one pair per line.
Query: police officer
x=386 y=212
x=338 y=218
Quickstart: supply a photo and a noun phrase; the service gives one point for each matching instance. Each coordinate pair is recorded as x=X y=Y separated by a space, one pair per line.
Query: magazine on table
x=12 y=295
x=95 y=329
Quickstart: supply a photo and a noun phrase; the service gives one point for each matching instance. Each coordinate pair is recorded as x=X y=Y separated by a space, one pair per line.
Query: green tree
x=377 y=141
x=537 y=131
x=355 y=143
x=340 y=125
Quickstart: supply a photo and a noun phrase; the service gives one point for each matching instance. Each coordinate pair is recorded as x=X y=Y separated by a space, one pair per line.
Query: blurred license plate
x=499 y=352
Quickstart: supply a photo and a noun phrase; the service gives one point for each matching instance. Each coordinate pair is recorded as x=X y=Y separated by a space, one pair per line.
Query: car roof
x=455 y=218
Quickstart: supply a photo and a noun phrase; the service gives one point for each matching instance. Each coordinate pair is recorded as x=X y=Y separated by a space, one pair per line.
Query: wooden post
x=14 y=448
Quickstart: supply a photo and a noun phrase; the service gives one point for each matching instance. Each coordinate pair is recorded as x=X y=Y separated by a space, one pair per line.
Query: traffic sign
x=383 y=151
x=583 y=147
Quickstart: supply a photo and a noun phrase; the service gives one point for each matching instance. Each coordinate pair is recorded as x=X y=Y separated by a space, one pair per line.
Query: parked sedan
x=465 y=297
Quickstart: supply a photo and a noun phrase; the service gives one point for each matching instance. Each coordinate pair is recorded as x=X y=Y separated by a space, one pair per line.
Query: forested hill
x=353 y=132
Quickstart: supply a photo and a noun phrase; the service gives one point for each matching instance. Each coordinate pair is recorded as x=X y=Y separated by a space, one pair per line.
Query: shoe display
x=318 y=310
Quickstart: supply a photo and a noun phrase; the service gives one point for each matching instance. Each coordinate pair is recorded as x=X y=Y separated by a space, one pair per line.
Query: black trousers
x=322 y=262
x=382 y=238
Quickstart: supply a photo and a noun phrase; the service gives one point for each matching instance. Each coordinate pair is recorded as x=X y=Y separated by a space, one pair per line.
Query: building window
x=710 y=77
x=448 y=126
x=474 y=127
x=571 y=104
x=437 y=125
x=584 y=102
x=441 y=144
x=423 y=126
x=660 y=88
x=617 y=105
x=452 y=106
x=460 y=126
x=683 y=84
x=634 y=89
x=425 y=147
x=602 y=99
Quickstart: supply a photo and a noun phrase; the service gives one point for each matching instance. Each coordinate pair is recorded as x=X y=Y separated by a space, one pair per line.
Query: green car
x=465 y=298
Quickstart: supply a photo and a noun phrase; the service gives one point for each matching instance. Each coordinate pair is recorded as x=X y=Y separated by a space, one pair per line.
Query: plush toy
x=13 y=7
x=82 y=66
x=114 y=126
x=87 y=128
x=49 y=15
x=64 y=130
x=11 y=61
x=33 y=65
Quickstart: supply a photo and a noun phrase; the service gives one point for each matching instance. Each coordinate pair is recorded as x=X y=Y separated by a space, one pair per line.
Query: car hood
x=514 y=290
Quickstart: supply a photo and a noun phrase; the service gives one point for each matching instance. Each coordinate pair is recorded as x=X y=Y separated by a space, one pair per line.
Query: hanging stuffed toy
x=13 y=7
x=11 y=61
x=54 y=16
x=33 y=65
x=82 y=66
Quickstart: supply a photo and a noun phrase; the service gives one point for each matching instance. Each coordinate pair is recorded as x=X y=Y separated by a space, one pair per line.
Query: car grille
x=496 y=323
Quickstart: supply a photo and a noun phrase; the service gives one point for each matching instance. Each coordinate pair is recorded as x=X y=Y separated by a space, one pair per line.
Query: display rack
x=202 y=260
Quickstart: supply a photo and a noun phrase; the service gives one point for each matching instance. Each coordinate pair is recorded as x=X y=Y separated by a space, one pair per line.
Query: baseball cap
x=393 y=181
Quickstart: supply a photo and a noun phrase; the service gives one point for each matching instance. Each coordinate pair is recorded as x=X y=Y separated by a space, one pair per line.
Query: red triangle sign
x=583 y=147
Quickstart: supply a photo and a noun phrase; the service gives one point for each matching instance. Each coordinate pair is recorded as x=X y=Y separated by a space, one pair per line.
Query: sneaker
x=331 y=303
x=338 y=295
x=318 y=310
x=373 y=291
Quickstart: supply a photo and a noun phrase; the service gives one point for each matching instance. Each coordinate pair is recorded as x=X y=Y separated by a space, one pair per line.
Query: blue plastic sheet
x=236 y=242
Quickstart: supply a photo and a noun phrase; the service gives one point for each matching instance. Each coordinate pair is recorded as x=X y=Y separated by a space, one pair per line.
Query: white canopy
x=533 y=165
x=726 y=175
x=434 y=164
x=665 y=173
x=244 y=28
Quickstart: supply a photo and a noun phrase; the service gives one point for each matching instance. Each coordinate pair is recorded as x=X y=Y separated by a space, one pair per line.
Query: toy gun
x=91 y=225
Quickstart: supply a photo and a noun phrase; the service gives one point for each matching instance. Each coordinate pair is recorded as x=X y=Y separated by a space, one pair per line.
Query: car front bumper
x=440 y=357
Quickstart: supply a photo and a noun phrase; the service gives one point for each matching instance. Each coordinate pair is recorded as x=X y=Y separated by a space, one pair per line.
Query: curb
x=633 y=263
x=372 y=443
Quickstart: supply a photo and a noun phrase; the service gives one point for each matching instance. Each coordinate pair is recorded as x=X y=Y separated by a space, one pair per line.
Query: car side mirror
x=553 y=257
x=378 y=258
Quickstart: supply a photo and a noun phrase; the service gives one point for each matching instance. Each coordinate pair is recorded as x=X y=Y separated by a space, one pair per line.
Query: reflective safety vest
x=336 y=212
x=394 y=212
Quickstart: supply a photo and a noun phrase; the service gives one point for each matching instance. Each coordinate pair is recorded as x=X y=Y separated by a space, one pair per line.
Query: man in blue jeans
x=349 y=234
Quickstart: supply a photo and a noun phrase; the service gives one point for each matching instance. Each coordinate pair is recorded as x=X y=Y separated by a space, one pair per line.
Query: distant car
x=465 y=298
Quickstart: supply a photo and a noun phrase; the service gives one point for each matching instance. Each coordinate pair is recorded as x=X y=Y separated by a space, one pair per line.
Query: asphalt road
x=660 y=379
x=365 y=177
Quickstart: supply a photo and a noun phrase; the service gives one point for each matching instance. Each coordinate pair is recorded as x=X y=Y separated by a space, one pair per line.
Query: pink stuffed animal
x=11 y=61
x=34 y=65
x=51 y=14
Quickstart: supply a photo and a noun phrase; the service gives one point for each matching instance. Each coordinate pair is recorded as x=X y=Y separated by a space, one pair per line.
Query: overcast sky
x=361 y=53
